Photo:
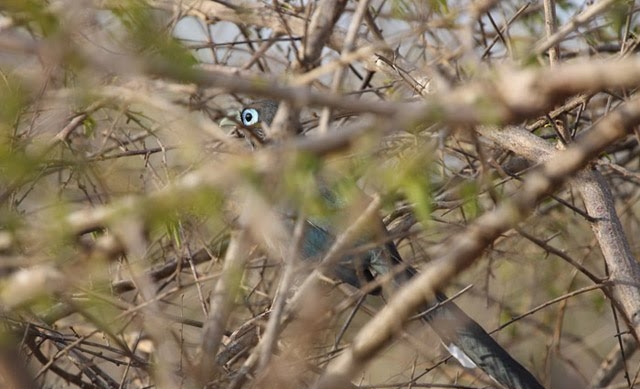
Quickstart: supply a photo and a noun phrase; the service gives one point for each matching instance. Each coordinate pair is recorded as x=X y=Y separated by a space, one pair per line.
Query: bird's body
x=466 y=340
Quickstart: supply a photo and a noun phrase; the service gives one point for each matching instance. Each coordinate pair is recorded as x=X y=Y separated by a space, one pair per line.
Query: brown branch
x=511 y=97
x=584 y=17
x=224 y=295
x=625 y=271
x=460 y=252
x=13 y=369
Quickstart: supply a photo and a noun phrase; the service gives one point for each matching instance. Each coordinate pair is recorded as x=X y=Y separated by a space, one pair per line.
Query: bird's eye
x=249 y=116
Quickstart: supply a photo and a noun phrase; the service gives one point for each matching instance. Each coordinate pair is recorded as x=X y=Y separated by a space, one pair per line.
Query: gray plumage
x=463 y=337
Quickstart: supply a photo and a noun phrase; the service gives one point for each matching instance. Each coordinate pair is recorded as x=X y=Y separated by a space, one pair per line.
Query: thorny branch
x=159 y=247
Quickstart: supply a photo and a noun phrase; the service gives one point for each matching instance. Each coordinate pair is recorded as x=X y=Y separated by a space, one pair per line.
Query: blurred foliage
x=154 y=40
x=33 y=14
x=119 y=192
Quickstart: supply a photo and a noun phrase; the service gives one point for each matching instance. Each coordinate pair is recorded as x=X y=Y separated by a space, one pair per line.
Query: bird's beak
x=229 y=124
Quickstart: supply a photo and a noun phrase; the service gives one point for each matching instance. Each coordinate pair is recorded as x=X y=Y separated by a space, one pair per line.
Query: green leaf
x=164 y=53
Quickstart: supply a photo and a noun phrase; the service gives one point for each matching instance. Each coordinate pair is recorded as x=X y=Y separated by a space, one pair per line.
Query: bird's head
x=253 y=120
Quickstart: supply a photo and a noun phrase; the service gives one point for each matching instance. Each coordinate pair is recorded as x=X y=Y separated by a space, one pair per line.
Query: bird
x=250 y=117
x=463 y=337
